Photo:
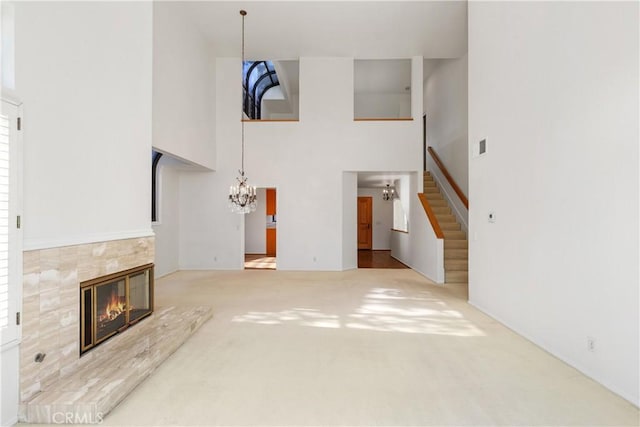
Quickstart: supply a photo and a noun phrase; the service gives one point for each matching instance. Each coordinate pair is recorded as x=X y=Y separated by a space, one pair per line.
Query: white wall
x=83 y=71
x=382 y=105
x=255 y=227
x=305 y=160
x=7 y=46
x=382 y=214
x=445 y=104
x=419 y=249
x=167 y=228
x=183 y=87
x=553 y=86
x=350 y=221
x=9 y=399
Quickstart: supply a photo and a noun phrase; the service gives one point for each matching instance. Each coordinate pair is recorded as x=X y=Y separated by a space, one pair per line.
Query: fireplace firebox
x=110 y=304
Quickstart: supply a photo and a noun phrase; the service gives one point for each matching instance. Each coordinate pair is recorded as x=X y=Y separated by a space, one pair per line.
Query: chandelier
x=242 y=197
x=388 y=193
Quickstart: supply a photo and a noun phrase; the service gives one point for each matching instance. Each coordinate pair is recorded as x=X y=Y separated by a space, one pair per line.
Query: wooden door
x=271 y=231
x=365 y=232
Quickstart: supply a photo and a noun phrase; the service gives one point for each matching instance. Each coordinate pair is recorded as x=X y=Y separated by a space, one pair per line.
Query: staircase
x=456 y=254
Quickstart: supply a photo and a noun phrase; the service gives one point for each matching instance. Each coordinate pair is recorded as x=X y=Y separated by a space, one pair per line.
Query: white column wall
x=167 y=228
x=255 y=227
x=553 y=86
x=83 y=71
x=183 y=87
x=350 y=221
x=305 y=160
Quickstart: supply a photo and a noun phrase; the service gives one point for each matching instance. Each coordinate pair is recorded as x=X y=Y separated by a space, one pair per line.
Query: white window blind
x=10 y=239
x=4 y=221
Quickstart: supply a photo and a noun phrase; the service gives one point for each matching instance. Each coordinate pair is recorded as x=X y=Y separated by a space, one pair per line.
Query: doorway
x=261 y=232
x=377 y=194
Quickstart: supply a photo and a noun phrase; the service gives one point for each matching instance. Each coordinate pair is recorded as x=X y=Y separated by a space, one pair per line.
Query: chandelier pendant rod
x=243 y=13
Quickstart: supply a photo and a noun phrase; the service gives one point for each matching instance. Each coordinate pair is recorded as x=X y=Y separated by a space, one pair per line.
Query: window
x=259 y=77
x=270 y=90
x=155 y=159
x=399 y=216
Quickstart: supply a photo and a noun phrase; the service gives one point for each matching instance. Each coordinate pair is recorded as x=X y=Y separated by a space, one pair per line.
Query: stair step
x=429 y=183
x=445 y=217
x=456 y=253
x=437 y=202
x=454 y=234
x=441 y=210
x=456 y=276
x=431 y=190
x=434 y=196
x=456 y=265
x=449 y=226
x=455 y=244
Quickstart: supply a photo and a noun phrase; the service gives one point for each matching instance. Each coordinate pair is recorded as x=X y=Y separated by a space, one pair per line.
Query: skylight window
x=258 y=78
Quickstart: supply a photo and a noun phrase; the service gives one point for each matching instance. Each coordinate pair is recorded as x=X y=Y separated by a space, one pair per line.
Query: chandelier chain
x=243 y=13
x=242 y=196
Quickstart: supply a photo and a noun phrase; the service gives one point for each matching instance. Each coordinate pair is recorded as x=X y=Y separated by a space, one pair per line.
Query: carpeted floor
x=363 y=347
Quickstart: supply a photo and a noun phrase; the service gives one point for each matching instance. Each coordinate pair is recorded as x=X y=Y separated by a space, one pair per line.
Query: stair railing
x=431 y=215
x=449 y=178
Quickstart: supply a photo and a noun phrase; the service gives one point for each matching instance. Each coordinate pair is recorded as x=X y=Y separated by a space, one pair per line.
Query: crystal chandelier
x=242 y=197
x=388 y=193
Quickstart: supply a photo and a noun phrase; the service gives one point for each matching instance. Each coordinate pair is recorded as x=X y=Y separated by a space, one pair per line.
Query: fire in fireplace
x=112 y=303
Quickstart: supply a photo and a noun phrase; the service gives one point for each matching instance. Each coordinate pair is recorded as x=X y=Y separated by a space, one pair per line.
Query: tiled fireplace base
x=87 y=395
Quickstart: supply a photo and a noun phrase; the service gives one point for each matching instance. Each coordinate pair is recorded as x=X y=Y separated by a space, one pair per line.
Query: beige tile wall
x=51 y=299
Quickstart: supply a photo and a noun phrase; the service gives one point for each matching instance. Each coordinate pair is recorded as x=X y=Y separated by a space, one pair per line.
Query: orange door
x=364 y=223
x=271 y=232
x=271 y=242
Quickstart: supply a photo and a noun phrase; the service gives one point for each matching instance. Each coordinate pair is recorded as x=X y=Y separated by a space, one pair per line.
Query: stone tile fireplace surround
x=51 y=299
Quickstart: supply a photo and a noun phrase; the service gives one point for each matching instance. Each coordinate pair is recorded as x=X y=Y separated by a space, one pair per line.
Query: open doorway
x=261 y=233
x=375 y=216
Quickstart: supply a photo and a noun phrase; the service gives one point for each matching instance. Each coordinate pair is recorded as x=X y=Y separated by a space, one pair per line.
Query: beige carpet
x=363 y=347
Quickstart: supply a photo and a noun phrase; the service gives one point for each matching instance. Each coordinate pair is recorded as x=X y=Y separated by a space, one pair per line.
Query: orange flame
x=115 y=307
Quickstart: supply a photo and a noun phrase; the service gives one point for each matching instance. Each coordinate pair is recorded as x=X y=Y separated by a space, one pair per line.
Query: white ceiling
x=359 y=29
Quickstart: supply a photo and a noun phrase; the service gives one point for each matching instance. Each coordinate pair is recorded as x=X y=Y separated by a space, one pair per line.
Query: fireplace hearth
x=111 y=304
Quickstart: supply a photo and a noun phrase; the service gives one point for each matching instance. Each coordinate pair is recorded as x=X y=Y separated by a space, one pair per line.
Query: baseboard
x=566 y=360
x=11 y=421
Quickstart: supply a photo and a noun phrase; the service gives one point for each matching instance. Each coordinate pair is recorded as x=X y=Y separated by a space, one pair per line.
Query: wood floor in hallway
x=377 y=259
x=360 y=348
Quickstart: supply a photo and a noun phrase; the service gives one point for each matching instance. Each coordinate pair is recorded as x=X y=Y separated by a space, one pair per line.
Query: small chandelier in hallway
x=388 y=193
x=242 y=197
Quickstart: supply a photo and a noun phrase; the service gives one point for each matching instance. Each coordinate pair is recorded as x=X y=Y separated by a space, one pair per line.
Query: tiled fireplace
x=52 y=301
x=111 y=304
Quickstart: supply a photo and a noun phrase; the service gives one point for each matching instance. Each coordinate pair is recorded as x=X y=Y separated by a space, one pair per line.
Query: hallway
x=377 y=259
x=361 y=347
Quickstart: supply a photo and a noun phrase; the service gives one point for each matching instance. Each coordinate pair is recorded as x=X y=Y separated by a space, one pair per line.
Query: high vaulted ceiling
x=359 y=29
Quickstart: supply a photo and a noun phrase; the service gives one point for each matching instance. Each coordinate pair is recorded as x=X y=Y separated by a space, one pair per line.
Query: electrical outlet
x=591 y=344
